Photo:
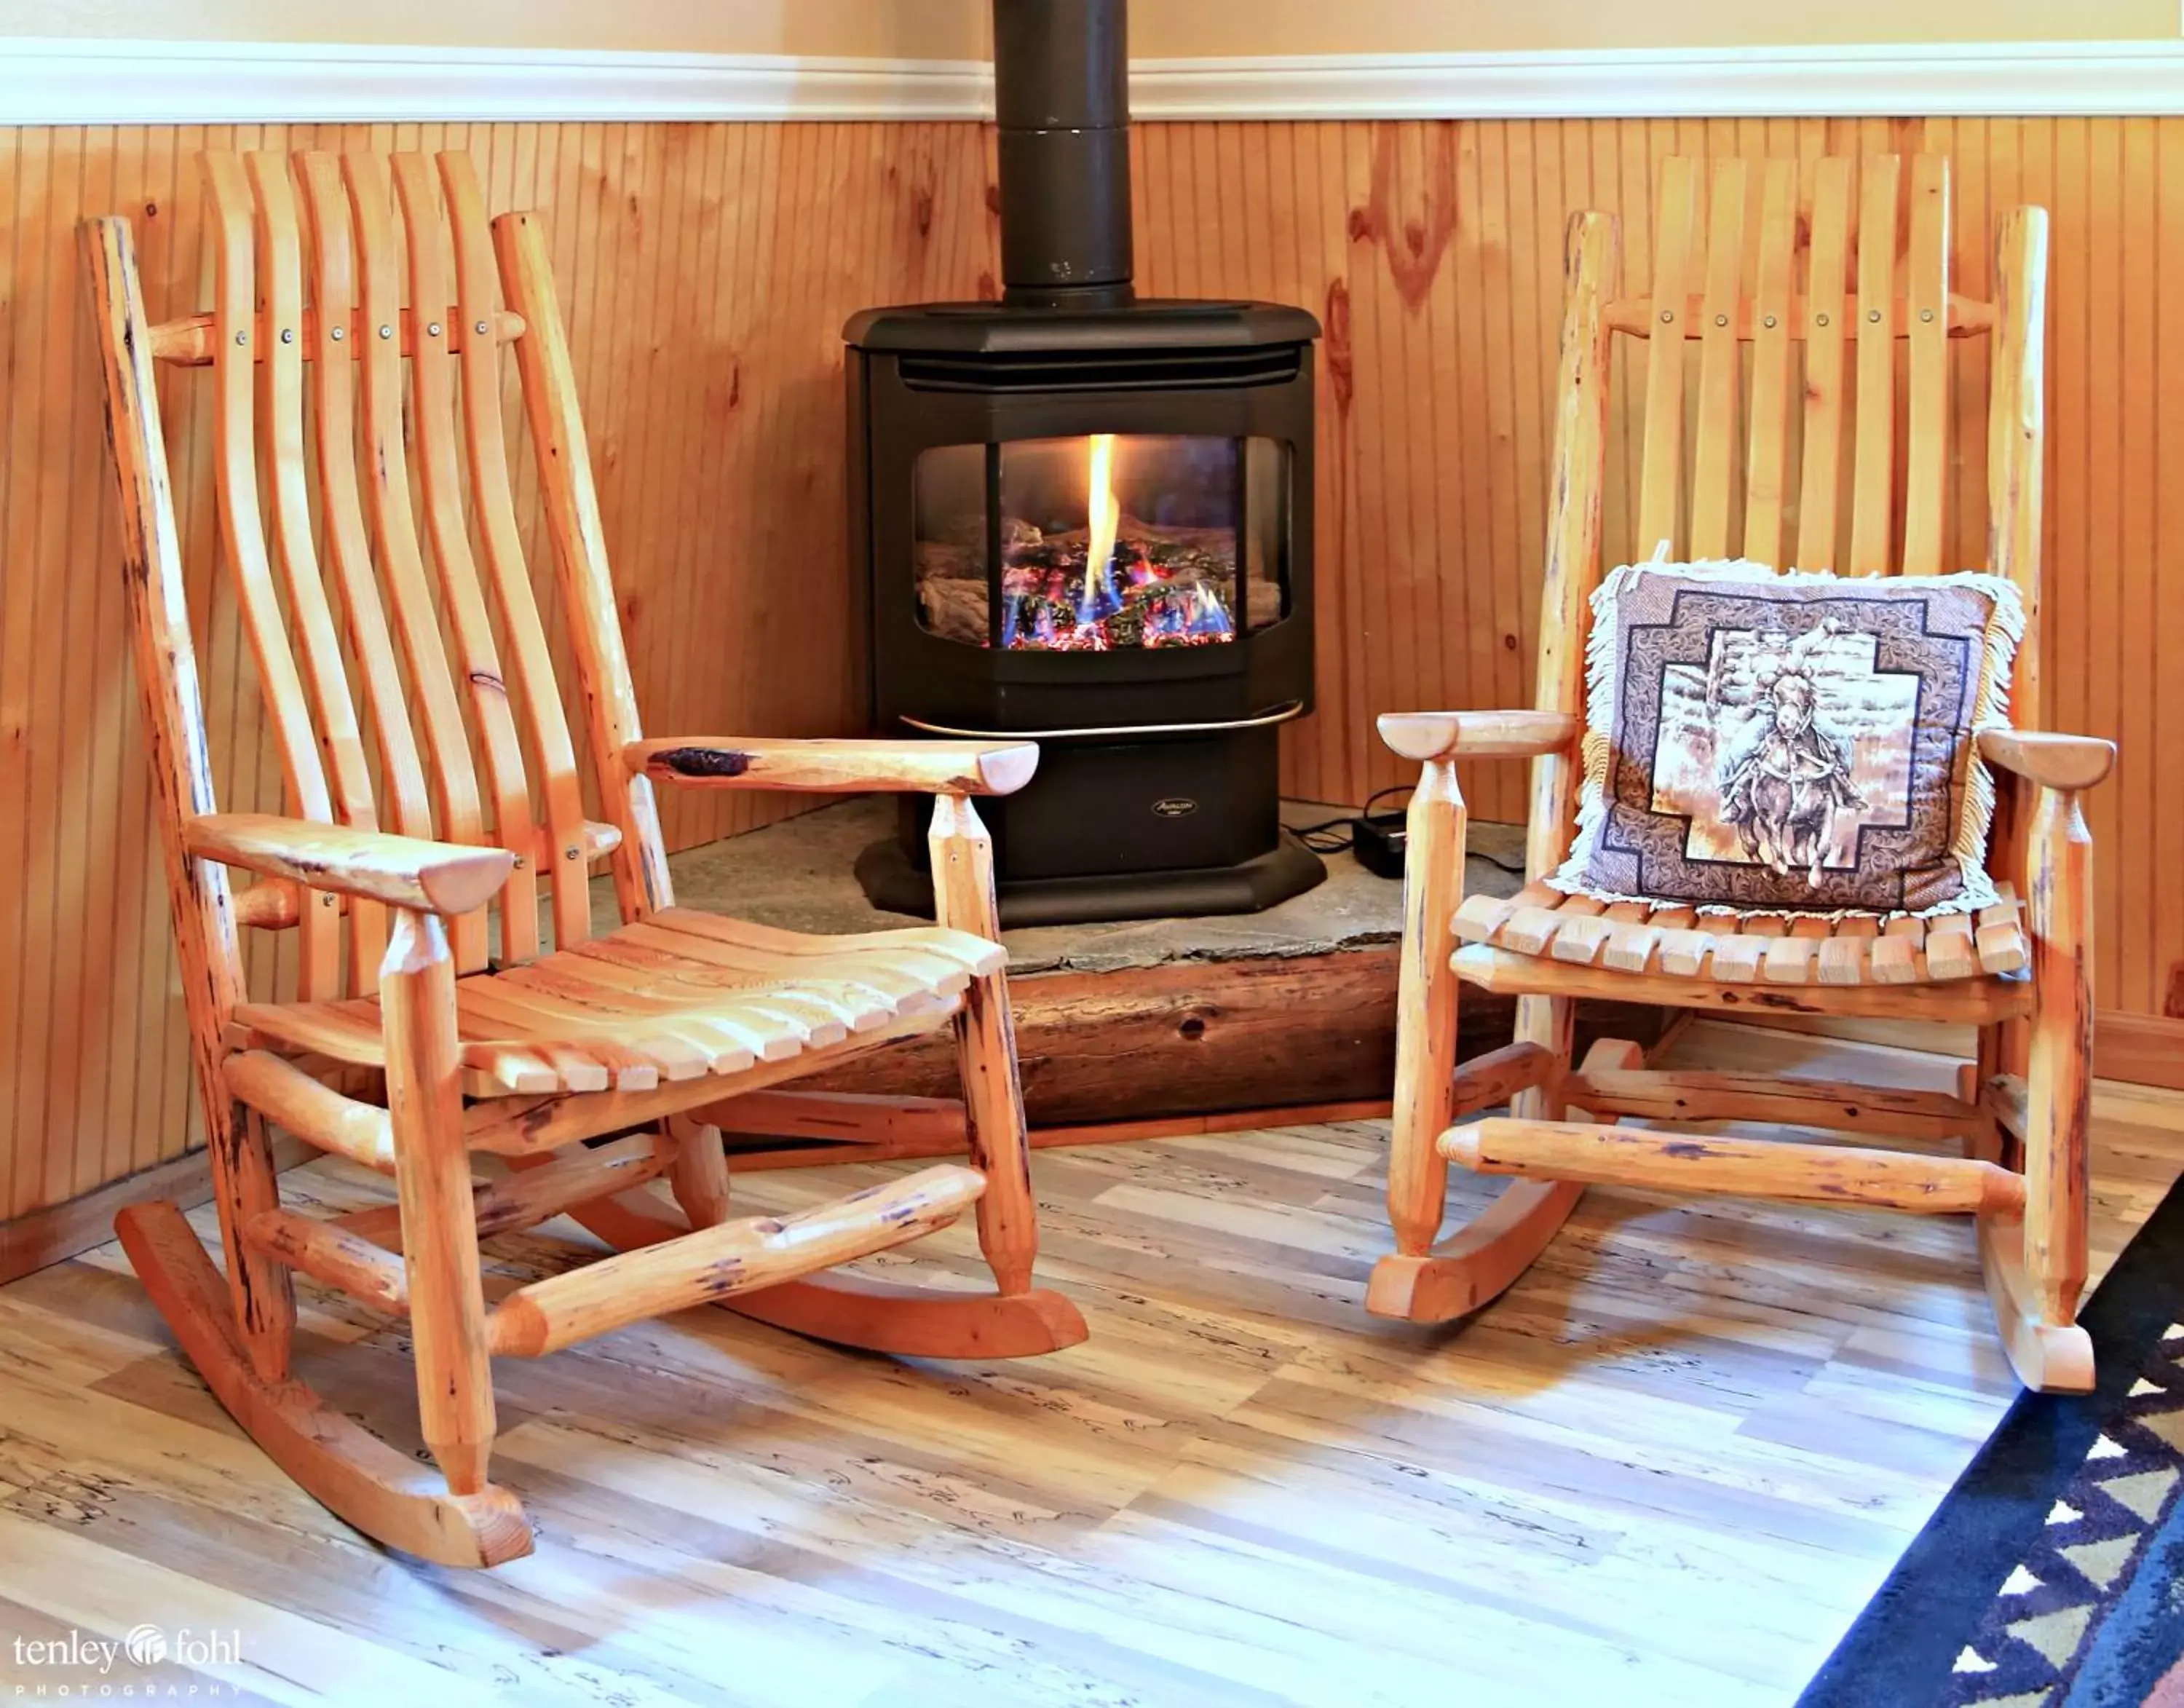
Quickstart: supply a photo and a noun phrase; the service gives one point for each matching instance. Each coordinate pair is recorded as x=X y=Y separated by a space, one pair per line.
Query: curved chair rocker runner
x=2021 y=1111
x=407 y=1052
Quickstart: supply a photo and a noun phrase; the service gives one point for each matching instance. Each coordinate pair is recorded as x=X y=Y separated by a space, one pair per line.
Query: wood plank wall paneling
x=707 y=270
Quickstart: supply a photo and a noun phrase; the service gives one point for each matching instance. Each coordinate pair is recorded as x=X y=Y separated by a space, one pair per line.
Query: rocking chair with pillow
x=1795 y=793
x=428 y=1018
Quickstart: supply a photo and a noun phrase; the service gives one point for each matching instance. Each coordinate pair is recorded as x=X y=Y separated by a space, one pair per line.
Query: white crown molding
x=96 y=82
x=2018 y=79
x=114 y=82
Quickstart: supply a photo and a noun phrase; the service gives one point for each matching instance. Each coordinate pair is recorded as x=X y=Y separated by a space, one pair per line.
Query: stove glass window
x=1103 y=542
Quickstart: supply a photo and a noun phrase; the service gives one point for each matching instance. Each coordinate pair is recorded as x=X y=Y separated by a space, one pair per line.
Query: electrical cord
x=1340 y=835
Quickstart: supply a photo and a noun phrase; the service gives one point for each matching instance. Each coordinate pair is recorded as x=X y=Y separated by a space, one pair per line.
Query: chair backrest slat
x=1824 y=309
x=642 y=883
x=394 y=536
x=349 y=546
x=243 y=539
x=477 y=279
x=1874 y=458
x=281 y=332
x=1661 y=485
x=432 y=414
x=1721 y=364
x=1767 y=455
x=1926 y=300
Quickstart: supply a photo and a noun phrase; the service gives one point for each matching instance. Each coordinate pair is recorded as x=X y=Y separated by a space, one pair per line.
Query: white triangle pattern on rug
x=2057 y=1634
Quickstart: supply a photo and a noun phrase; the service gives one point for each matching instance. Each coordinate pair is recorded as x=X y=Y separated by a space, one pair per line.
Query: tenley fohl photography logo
x=149 y=1663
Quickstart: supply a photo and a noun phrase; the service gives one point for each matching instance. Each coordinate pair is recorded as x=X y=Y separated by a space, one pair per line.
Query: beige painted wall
x=957 y=29
x=928 y=28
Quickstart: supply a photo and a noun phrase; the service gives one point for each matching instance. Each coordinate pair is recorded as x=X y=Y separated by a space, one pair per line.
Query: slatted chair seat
x=1857 y=949
x=677 y=996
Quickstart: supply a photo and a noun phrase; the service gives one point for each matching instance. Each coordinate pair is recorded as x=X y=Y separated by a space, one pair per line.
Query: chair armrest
x=924 y=768
x=1477 y=734
x=2053 y=762
x=446 y=877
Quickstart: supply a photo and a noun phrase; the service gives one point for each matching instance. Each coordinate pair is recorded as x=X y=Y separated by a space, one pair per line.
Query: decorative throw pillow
x=1791 y=743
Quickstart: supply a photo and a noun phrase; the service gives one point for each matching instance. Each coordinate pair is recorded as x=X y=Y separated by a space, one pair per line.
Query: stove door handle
x=1281 y=714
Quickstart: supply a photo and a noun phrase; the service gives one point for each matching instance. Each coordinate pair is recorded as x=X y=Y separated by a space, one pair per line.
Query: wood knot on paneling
x=1335 y=342
x=1412 y=231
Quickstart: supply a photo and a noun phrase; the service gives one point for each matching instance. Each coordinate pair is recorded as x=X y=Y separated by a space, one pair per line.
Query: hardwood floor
x=1668 y=1467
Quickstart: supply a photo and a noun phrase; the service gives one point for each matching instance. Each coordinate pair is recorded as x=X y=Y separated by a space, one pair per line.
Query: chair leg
x=986 y=1049
x=244 y=1182
x=1426 y=995
x=2058 y=1068
x=439 y=1226
x=2036 y=1270
x=1018 y=1319
x=699 y=1175
x=1419 y=1282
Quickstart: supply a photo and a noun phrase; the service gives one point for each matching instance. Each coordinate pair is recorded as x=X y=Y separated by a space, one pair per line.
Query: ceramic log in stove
x=1086 y=518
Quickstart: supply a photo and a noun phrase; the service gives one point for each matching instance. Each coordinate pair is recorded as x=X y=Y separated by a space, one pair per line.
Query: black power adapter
x=1378 y=840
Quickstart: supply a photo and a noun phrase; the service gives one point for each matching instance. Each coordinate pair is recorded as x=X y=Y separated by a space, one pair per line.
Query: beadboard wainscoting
x=707 y=268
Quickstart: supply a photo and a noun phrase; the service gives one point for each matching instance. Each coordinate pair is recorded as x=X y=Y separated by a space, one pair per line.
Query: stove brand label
x=1174 y=806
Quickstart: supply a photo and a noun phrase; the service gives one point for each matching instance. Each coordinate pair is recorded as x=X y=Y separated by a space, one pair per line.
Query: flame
x=1103 y=514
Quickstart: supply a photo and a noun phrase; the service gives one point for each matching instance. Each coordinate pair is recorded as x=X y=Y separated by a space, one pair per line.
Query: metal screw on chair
x=387 y=332
x=568 y=853
x=1667 y=316
x=480 y=328
x=287 y=335
x=337 y=333
x=433 y=329
x=242 y=337
x=1721 y=320
x=1768 y=323
x=1925 y=313
x=1820 y=320
x=1874 y=315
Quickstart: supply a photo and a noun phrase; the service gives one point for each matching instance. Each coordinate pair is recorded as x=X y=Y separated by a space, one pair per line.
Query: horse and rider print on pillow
x=1802 y=744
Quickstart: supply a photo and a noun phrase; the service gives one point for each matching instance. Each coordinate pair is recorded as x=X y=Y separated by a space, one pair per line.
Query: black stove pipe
x=1062 y=96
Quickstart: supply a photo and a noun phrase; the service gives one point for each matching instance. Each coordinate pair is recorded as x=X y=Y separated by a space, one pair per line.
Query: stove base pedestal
x=893 y=882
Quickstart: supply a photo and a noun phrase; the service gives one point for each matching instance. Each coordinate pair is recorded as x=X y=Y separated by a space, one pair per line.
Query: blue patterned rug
x=2051 y=1575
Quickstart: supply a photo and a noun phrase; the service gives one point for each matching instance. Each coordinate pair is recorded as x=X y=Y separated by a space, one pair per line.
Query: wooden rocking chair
x=408 y=1054
x=2021 y=1111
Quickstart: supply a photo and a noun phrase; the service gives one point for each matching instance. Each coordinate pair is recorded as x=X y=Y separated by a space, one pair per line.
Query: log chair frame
x=668 y=1021
x=2021 y=1110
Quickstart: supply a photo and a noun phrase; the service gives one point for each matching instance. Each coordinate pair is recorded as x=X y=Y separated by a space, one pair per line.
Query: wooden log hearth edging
x=1161 y=1052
